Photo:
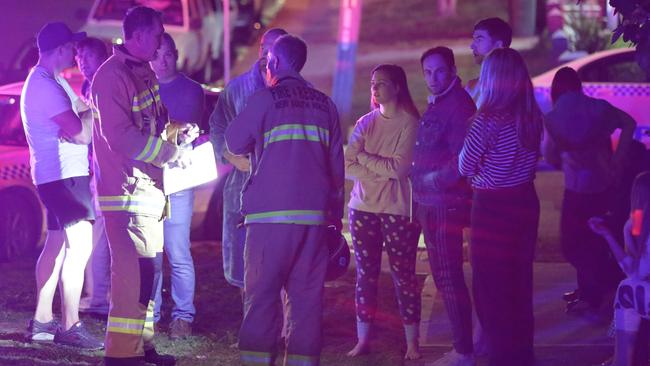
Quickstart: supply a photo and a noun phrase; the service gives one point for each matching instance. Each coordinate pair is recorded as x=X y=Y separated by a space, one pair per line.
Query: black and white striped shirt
x=492 y=155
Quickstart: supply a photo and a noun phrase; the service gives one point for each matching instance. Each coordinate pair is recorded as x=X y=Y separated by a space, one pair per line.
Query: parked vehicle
x=196 y=26
x=612 y=75
x=22 y=217
x=249 y=14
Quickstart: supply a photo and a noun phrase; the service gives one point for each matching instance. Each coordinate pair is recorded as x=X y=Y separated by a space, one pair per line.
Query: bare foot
x=360 y=349
x=412 y=353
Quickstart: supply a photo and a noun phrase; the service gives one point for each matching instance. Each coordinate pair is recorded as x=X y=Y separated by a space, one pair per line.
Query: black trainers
x=42 y=332
x=571 y=296
x=151 y=356
x=77 y=336
x=179 y=329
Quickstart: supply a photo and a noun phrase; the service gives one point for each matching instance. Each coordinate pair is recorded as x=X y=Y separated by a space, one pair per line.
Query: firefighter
x=293 y=135
x=131 y=147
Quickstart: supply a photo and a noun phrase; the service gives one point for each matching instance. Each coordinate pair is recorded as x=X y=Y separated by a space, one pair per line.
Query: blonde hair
x=505 y=87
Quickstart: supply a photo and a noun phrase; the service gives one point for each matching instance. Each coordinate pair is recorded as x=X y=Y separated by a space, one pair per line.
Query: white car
x=612 y=75
x=196 y=26
x=22 y=217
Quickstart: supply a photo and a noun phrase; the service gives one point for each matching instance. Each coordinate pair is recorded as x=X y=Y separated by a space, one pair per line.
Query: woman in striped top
x=500 y=155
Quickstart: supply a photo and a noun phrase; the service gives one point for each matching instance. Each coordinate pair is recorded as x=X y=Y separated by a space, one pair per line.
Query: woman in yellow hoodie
x=378 y=159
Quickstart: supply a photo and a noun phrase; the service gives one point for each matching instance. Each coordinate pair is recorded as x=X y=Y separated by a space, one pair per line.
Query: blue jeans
x=234 y=234
x=177 y=249
x=98 y=271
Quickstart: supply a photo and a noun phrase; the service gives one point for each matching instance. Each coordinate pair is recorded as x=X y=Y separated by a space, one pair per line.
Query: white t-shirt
x=43 y=97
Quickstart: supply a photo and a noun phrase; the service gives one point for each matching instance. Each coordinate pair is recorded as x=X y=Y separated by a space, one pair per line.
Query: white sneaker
x=454 y=358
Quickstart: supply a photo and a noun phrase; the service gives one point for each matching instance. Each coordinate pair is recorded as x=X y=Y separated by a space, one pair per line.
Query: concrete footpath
x=560 y=339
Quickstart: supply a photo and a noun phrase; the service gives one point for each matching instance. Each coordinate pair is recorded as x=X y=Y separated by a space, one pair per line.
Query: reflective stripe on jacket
x=129 y=136
x=293 y=135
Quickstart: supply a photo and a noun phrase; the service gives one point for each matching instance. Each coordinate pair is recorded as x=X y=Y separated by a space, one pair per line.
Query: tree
x=634 y=28
x=636 y=14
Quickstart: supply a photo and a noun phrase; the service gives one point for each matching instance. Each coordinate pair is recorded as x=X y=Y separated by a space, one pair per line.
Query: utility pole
x=521 y=14
x=348 y=38
x=226 y=41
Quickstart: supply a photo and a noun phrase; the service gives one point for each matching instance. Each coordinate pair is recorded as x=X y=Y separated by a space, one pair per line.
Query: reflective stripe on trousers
x=292 y=257
x=134 y=242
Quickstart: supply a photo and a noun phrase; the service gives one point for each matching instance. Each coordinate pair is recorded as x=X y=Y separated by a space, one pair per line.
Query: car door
x=619 y=80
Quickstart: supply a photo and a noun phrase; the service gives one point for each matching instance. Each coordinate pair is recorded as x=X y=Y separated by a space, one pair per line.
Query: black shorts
x=68 y=201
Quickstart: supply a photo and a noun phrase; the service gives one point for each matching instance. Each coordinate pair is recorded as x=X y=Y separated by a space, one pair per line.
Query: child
x=633 y=294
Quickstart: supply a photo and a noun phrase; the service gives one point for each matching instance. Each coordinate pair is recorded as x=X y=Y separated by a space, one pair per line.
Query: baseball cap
x=55 y=34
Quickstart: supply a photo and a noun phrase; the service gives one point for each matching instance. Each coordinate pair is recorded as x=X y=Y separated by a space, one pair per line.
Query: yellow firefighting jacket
x=129 y=138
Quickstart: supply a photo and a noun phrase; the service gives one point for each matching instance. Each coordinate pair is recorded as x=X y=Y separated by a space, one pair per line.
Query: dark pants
x=504 y=233
x=370 y=232
x=443 y=234
x=597 y=271
x=135 y=242
x=276 y=256
x=641 y=344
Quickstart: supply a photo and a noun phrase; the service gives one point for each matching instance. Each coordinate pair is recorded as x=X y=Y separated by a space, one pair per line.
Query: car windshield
x=172 y=10
x=618 y=68
x=11 y=127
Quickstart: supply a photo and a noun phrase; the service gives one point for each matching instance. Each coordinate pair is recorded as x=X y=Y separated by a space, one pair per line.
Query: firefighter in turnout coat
x=131 y=146
x=295 y=189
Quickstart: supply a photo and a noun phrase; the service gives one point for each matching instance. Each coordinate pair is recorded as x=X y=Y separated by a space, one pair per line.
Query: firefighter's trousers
x=134 y=241
x=276 y=256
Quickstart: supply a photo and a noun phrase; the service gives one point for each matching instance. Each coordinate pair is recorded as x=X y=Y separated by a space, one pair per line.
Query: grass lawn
x=386 y=24
x=215 y=327
x=392 y=22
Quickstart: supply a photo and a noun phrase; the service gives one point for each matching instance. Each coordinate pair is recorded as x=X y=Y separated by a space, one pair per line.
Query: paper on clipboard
x=203 y=169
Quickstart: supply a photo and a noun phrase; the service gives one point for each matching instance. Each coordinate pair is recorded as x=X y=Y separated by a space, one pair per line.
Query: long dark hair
x=404 y=100
x=565 y=80
x=505 y=86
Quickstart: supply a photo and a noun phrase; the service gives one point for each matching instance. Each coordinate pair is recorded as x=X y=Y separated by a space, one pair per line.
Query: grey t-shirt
x=44 y=96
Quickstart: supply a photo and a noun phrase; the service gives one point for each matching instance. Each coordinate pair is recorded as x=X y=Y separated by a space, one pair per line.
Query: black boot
x=151 y=356
x=130 y=361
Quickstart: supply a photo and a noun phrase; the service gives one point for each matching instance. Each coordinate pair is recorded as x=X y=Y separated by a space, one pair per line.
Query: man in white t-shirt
x=58 y=129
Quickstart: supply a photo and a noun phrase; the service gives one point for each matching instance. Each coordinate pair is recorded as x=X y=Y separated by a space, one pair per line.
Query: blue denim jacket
x=231 y=102
x=442 y=130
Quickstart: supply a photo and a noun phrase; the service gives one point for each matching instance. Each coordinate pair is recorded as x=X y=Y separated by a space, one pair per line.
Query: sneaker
x=179 y=329
x=42 y=332
x=77 y=336
x=571 y=295
x=151 y=356
x=454 y=358
x=577 y=307
x=587 y=311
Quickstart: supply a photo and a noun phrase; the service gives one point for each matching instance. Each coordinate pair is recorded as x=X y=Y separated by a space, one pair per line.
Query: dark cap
x=55 y=34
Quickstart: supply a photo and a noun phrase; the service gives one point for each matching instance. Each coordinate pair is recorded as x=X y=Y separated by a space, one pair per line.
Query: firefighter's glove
x=183 y=159
x=187 y=133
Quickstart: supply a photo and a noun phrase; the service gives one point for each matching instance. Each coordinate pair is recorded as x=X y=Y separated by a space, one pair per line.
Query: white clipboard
x=203 y=169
